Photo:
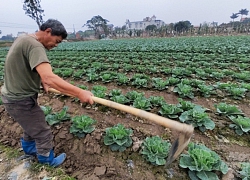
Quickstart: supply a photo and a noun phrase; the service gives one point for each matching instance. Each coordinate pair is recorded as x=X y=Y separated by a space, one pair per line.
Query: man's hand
x=45 y=87
x=86 y=97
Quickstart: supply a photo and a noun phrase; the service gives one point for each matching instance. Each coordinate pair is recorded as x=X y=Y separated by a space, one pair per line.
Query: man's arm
x=49 y=79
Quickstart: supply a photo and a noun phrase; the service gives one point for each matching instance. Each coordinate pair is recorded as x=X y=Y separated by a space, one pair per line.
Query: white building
x=141 y=25
x=21 y=33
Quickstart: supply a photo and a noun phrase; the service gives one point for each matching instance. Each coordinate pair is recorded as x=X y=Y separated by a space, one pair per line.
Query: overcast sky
x=75 y=13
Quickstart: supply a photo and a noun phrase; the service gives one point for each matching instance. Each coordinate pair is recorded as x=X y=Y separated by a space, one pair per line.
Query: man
x=27 y=68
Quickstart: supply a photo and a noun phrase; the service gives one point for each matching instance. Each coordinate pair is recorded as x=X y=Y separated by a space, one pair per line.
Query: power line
x=17 y=24
x=1 y=26
x=10 y=26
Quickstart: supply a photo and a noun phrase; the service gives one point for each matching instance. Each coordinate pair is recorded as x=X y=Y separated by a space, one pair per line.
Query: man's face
x=51 y=41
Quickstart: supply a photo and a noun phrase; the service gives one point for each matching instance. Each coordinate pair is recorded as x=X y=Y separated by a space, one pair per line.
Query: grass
x=12 y=154
x=55 y=173
x=8 y=154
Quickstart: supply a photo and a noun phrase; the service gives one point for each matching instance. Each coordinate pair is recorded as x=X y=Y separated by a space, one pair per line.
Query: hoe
x=178 y=145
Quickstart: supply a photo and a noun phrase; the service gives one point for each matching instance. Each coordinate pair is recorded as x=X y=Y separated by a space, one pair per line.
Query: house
x=21 y=33
x=141 y=25
x=243 y=19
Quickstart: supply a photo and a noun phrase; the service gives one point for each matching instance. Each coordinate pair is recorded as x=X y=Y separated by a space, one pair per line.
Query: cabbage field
x=203 y=81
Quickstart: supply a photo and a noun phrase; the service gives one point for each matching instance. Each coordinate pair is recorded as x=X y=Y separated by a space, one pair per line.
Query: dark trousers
x=32 y=119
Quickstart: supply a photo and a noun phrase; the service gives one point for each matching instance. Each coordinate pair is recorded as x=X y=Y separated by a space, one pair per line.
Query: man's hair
x=57 y=28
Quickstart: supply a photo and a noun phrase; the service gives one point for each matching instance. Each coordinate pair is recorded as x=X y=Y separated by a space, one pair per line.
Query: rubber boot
x=51 y=160
x=29 y=147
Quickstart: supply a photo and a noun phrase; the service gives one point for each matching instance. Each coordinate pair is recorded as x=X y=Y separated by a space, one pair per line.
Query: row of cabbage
x=230 y=45
x=199 y=65
x=201 y=162
x=199 y=72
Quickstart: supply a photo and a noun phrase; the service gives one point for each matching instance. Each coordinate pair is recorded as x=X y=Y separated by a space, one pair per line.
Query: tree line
x=99 y=28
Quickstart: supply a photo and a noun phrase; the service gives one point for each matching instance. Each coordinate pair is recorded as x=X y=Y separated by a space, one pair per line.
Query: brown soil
x=88 y=158
x=5 y=44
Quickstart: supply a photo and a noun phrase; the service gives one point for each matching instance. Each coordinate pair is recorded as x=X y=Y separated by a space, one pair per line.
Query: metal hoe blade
x=180 y=144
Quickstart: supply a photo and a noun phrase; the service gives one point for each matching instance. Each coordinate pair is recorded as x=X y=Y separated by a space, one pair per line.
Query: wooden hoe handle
x=168 y=123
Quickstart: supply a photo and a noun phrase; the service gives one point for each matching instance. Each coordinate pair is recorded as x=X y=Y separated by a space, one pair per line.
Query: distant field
x=5 y=43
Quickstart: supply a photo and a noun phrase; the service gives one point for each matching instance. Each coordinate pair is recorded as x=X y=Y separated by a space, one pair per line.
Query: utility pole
x=74 y=31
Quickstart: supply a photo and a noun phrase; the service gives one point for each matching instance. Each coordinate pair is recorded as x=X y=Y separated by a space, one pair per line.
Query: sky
x=75 y=13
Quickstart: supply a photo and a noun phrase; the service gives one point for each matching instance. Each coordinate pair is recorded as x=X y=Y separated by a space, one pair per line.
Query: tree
x=162 y=30
x=123 y=30
x=205 y=27
x=151 y=29
x=9 y=37
x=34 y=10
x=118 y=30
x=130 y=32
x=234 y=16
x=98 y=24
x=170 y=29
x=243 y=12
x=182 y=26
